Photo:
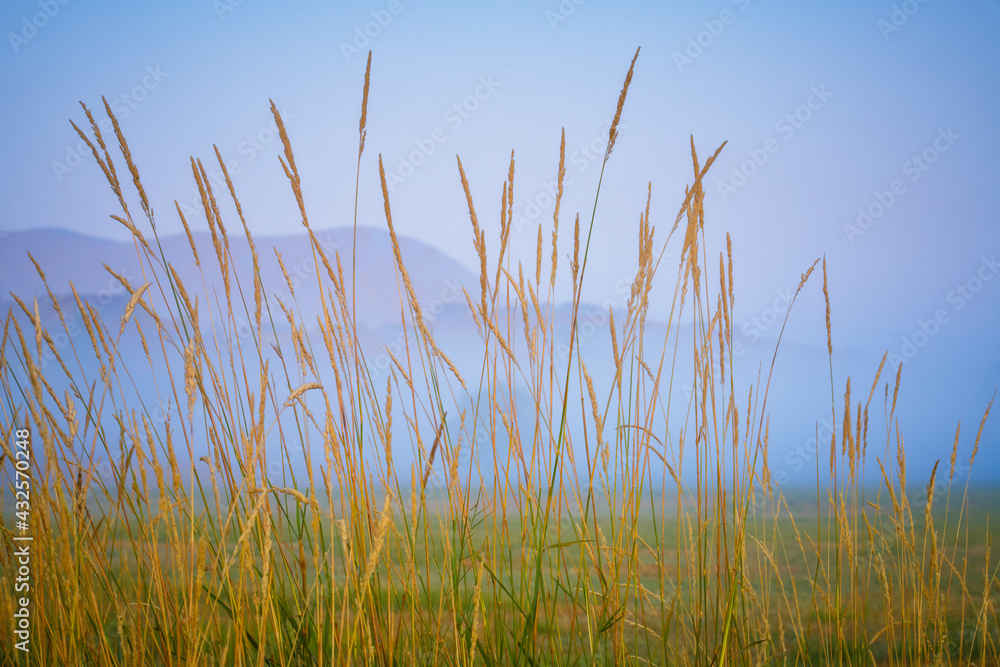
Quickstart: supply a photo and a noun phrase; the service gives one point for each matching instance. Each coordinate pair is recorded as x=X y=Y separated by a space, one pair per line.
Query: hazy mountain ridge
x=800 y=393
x=64 y=256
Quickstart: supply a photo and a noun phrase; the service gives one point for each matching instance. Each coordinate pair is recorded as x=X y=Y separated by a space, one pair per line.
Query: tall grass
x=575 y=540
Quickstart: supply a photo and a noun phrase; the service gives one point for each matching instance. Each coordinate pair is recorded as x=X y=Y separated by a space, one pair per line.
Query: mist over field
x=560 y=332
x=799 y=397
x=861 y=132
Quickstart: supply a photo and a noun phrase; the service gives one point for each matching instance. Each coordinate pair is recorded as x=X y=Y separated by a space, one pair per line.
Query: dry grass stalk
x=613 y=131
x=430 y=456
x=826 y=299
x=364 y=107
x=130 y=306
x=979 y=433
x=301 y=390
x=561 y=174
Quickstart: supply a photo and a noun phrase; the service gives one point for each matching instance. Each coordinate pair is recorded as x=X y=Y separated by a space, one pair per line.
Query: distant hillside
x=65 y=256
x=937 y=390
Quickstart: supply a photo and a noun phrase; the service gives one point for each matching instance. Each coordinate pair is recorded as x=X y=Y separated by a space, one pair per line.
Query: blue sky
x=831 y=110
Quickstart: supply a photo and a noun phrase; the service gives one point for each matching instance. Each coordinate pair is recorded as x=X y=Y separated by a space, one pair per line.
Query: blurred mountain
x=65 y=256
x=940 y=385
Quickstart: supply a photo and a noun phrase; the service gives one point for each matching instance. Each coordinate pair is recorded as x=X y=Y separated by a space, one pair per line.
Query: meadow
x=546 y=518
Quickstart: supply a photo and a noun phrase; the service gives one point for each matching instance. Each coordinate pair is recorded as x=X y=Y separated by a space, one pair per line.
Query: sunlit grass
x=611 y=531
